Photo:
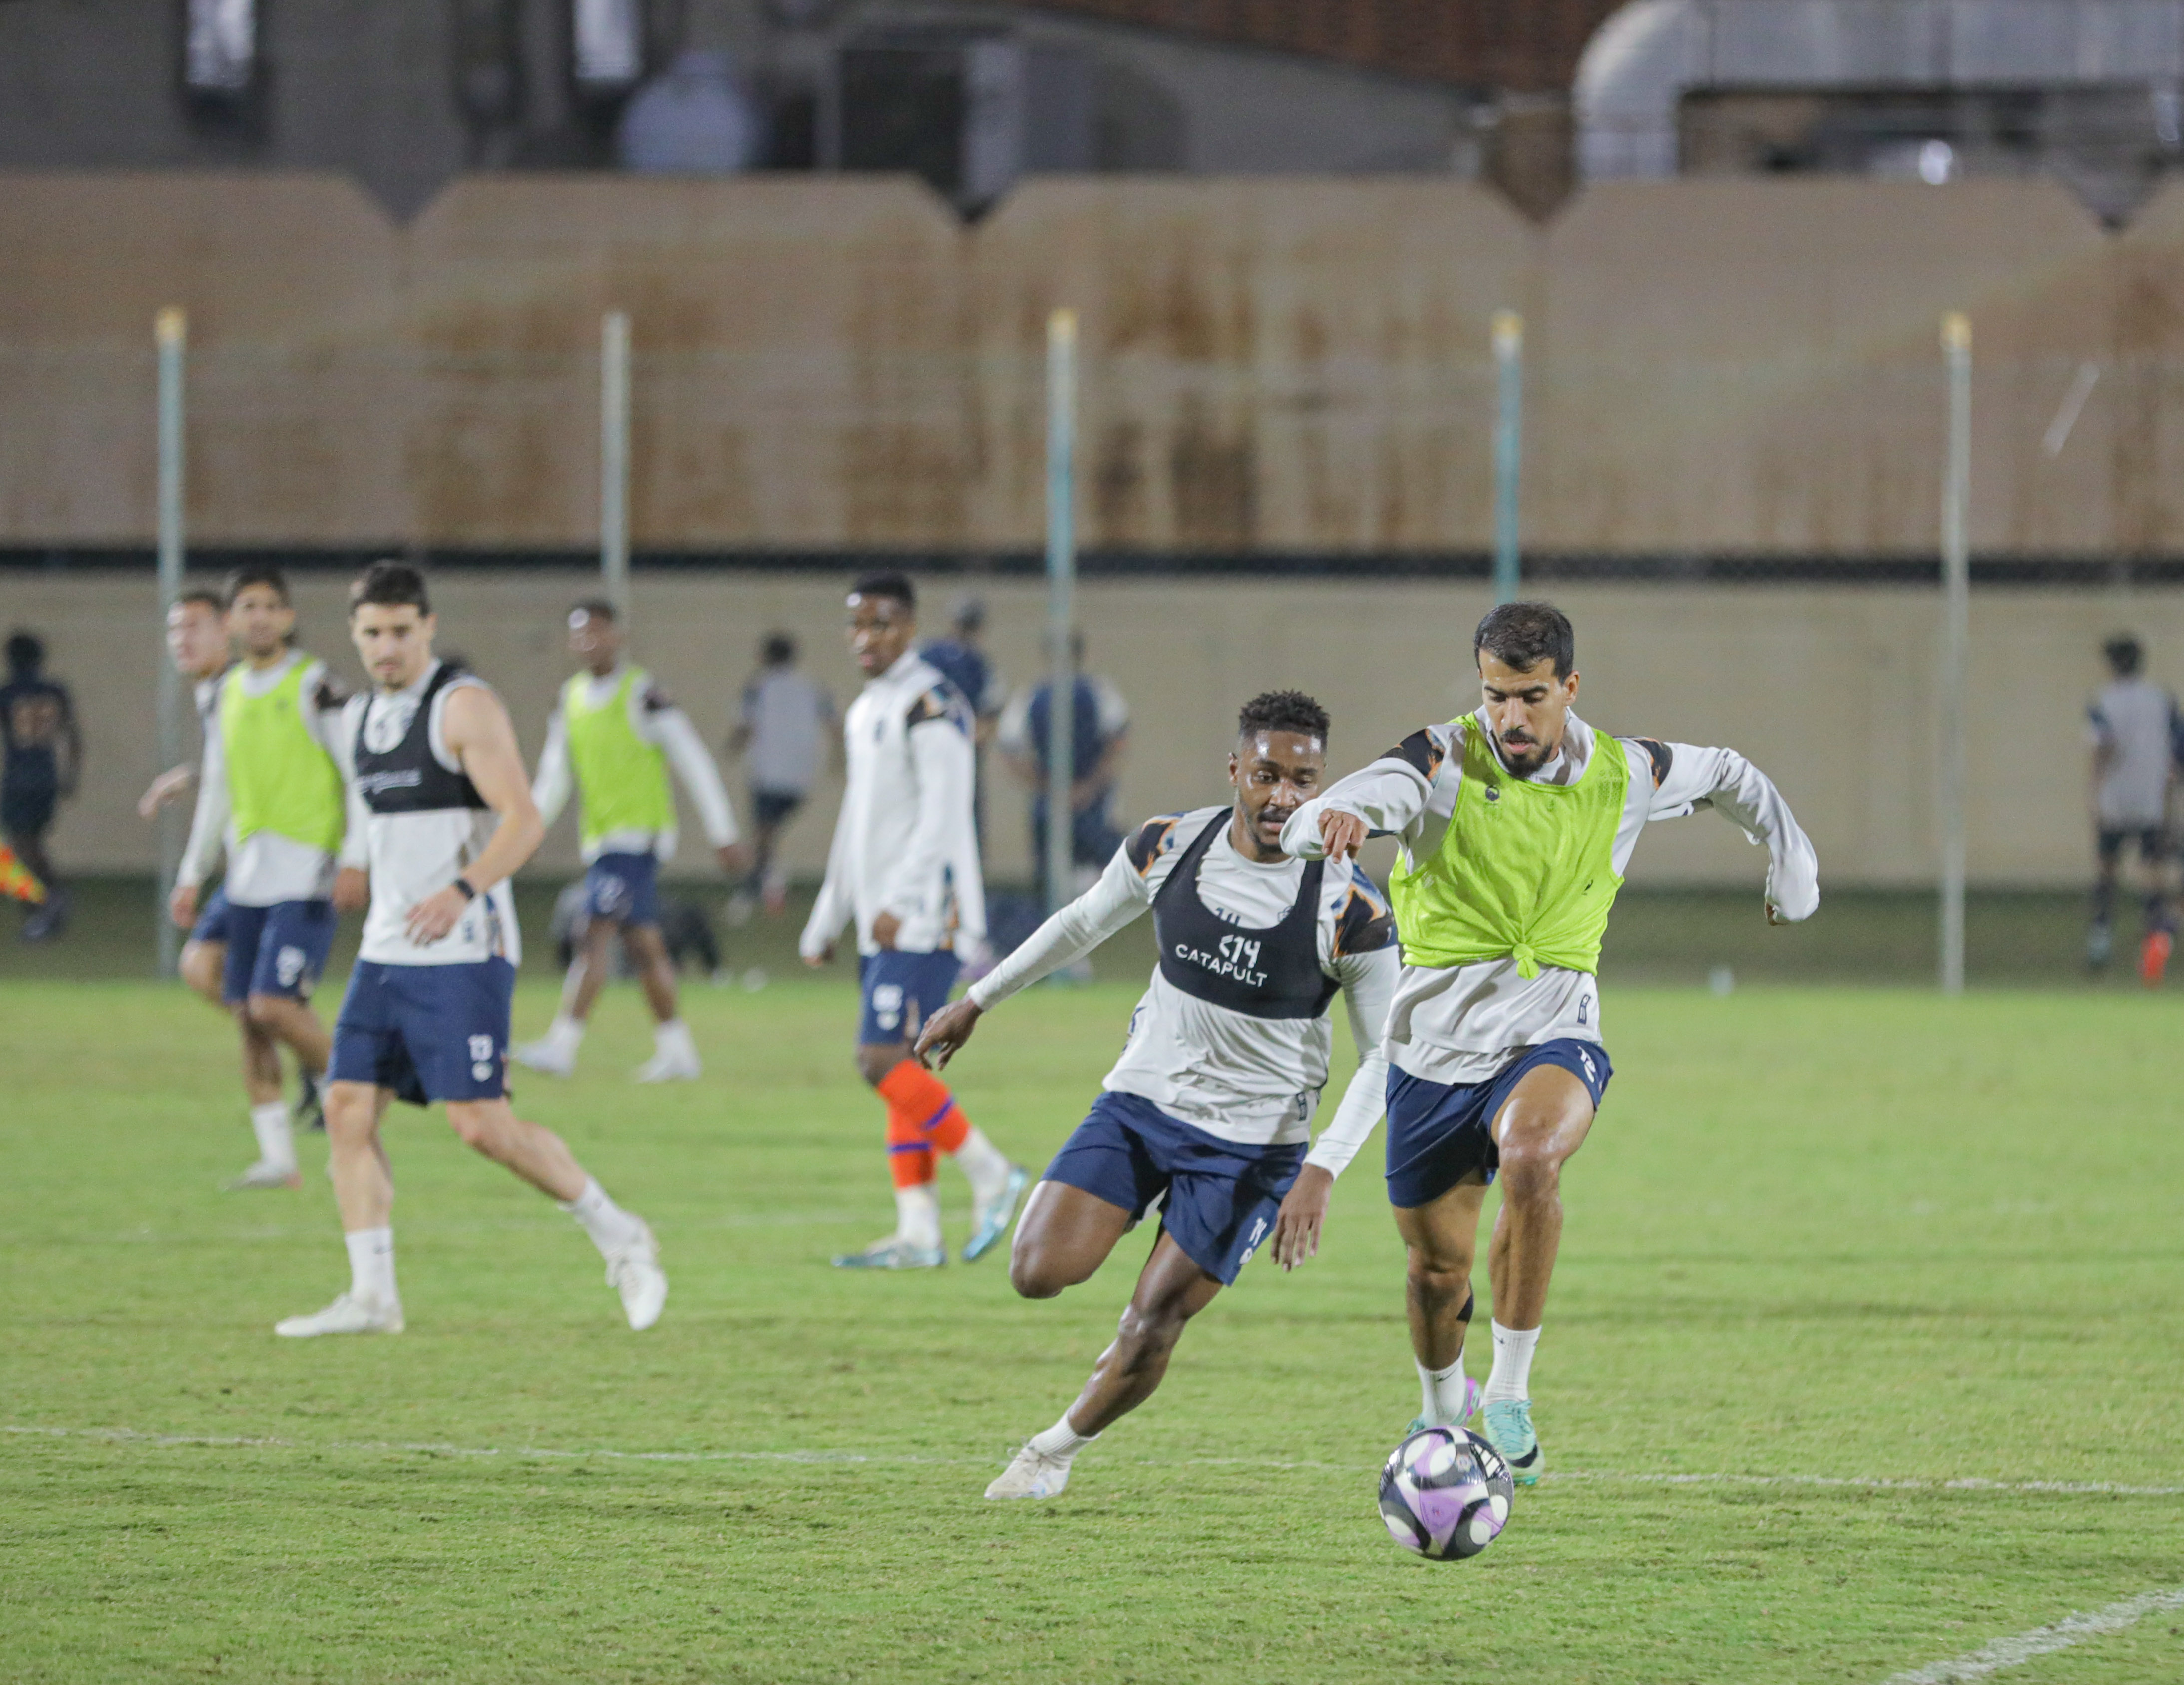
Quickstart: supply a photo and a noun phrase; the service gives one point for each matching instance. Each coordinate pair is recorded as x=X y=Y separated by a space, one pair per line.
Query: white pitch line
x=2071 y=1629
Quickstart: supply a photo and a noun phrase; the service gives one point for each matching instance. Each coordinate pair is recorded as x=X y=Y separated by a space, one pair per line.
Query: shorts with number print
x=278 y=950
x=427 y=1032
x=900 y=991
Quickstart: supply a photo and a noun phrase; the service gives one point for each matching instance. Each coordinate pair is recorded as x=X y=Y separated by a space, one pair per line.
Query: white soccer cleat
x=548 y=1057
x=1032 y=1474
x=265 y=1173
x=347 y=1314
x=670 y=1064
x=634 y=1272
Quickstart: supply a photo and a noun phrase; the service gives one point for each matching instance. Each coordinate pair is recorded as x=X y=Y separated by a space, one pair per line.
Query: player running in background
x=1208 y=1112
x=1515 y=824
x=2135 y=733
x=43 y=763
x=270 y=797
x=440 y=813
x=904 y=866
x=611 y=740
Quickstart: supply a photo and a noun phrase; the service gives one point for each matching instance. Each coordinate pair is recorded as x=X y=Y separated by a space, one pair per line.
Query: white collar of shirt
x=257 y=681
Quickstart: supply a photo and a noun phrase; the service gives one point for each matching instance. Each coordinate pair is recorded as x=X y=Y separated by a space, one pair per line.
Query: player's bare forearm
x=1304 y=1210
x=945 y=1032
x=169 y=786
x=352 y=889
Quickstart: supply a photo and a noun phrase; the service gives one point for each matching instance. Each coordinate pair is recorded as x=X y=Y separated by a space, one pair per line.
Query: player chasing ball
x=611 y=741
x=1208 y=1112
x=1514 y=825
x=904 y=866
x=442 y=814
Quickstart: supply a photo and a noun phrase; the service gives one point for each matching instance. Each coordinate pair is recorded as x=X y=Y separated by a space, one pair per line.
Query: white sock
x=1061 y=1441
x=1512 y=1365
x=917 y=1214
x=674 y=1037
x=371 y=1265
x=609 y=1226
x=565 y=1032
x=1442 y=1392
x=270 y=1124
x=985 y=1164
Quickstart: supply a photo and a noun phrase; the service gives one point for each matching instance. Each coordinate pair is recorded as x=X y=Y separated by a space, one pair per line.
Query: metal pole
x=1508 y=451
x=1956 y=641
x=170 y=329
x=1061 y=590
x=613 y=458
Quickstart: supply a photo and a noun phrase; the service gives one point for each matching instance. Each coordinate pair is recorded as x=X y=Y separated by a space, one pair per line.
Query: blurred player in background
x=1514 y=826
x=43 y=763
x=1100 y=728
x=903 y=868
x=441 y=814
x=962 y=660
x=270 y=797
x=1208 y=1112
x=2135 y=732
x=610 y=742
x=787 y=724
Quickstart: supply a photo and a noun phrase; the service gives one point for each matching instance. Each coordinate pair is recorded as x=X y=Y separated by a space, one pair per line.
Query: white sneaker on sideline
x=265 y=1173
x=546 y=1056
x=670 y=1064
x=1032 y=1474
x=347 y=1314
x=634 y=1272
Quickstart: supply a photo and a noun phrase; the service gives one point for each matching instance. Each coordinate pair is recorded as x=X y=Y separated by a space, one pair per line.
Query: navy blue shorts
x=623 y=888
x=1438 y=1133
x=428 y=1032
x=212 y=920
x=775 y=806
x=278 y=949
x=1222 y=1197
x=900 y=991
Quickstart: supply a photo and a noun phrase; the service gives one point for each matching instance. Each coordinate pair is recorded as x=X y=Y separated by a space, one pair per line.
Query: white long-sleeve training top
x=265 y=869
x=659 y=722
x=1463 y=1023
x=904 y=841
x=1253 y=1080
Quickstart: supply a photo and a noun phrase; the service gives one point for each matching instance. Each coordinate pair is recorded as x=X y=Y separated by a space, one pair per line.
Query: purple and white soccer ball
x=1445 y=1493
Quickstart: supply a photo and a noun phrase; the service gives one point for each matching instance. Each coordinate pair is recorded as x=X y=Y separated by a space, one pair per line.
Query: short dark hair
x=889 y=583
x=204 y=595
x=1523 y=634
x=1282 y=710
x=27 y=652
x=390 y=584
x=593 y=608
x=2125 y=653
x=779 y=649
x=257 y=573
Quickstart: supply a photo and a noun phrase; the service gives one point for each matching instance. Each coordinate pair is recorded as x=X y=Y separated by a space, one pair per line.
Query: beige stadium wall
x=1830 y=690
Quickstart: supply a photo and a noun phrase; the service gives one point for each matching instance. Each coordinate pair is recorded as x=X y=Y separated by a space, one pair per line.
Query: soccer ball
x=1445 y=1493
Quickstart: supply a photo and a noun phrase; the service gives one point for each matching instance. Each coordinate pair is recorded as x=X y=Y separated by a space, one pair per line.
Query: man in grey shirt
x=787 y=724
x=2135 y=733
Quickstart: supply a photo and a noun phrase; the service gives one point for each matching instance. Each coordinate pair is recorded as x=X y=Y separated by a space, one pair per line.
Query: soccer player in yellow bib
x=610 y=742
x=1514 y=825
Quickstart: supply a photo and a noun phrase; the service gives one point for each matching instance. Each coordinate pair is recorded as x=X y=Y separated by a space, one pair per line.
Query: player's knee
x=873 y=1063
x=476 y=1126
x=1032 y=1274
x=1152 y=1331
x=266 y=1010
x=1441 y=1270
x=351 y=1110
x=1531 y=1166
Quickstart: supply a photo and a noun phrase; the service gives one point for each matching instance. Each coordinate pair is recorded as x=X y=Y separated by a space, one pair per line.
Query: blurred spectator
x=1101 y=722
x=787 y=725
x=691 y=119
x=44 y=760
x=964 y=663
x=2135 y=730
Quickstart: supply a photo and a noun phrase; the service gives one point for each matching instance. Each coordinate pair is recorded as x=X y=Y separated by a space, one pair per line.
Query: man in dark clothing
x=1100 y=724
x=44 y=754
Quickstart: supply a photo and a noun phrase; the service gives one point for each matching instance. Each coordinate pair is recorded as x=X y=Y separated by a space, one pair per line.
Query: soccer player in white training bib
x=442 y=812
x=611 y=741
x=1515 y=824
x=904 y=866
x=1207 y=1114
x=270 y=796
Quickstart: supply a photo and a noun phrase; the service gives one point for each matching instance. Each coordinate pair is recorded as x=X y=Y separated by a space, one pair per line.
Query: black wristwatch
x=468 y=889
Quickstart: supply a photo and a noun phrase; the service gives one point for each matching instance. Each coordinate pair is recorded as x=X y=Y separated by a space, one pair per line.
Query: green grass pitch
x=1819 y=1235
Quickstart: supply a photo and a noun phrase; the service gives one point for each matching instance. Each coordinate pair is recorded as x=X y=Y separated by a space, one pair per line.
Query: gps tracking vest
x=407 y=777
x=279 y=777
x=621 y=780
x=1273 y=973
x=1525 y=870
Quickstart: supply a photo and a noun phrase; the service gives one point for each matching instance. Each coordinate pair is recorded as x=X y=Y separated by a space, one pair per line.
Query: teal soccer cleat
x=1508 y=1426
x=993 y=1221
x=894 y=1253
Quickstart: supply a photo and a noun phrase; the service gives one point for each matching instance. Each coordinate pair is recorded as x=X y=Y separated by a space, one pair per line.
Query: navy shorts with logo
x=1220 y=1196
x=623 y=888
x=278 y=949
x=211 y=920
x=900 y=991
x=1438 y=1133
x=428 y=1032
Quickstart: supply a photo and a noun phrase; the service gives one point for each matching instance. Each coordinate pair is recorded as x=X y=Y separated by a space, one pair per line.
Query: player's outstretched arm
x=480 y=736
x=1389 y=794
x=945 y=1032
x=1723 y=780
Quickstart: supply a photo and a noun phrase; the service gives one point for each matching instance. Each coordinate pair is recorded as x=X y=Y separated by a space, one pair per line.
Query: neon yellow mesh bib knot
x=620 y=778
x=279 y=779
x=1525 y=870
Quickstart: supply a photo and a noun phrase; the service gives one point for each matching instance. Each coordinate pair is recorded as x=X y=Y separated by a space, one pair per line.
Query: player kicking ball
x=1515 y=824
x=441 y=811
x=1207 y=1113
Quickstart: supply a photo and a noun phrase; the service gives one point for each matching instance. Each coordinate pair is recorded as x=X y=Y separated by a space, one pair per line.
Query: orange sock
x=922 y=1115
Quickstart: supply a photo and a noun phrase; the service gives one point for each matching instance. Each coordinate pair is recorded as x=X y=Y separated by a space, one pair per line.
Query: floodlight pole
x=1508 y=451
x=1956 y=640
x=171 y=330
x=613 y=458
x=1061 y=606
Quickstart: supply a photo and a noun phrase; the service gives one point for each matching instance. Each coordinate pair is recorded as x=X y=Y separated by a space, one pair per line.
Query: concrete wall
x=1830 y=690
